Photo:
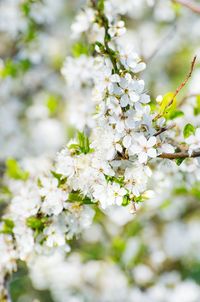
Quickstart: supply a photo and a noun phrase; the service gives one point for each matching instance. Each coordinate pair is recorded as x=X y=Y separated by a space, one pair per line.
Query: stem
x=177 y=155
x=180 y=87
x=164 y=129
x=107 y=38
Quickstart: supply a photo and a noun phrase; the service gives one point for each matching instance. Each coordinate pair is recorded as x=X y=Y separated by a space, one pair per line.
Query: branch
x=180 y=87
x=189 y=4
x=185 y=81
x=182 y=155
x=164 y=129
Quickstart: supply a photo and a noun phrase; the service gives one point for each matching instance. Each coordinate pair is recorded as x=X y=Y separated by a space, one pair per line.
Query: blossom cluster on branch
x=126 y=135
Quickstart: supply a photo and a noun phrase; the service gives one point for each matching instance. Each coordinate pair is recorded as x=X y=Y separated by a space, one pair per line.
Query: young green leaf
x=13 y=170
x=188 y=130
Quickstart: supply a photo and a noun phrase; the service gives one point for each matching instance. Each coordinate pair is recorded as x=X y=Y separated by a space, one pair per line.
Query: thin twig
x=164 y=129
x=186 y=80
x=189 y=4
x=180 y=87
x=182 y=155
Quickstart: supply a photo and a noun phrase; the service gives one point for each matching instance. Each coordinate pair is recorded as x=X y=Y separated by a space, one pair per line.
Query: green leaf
x=52 y=104
x=36 y=223
x=13 y=170
x=126 y=200
x=188 y=130
x=119 y=180
x=179 y=161
x=166 y=203
x=168 y=104
x=80 y=48
x=77 y=197
x=7 y=226
x=83 y=145
x=100 y=5
x=174 y=114
x=9 y=69
x=197 y=107
x=61 y=179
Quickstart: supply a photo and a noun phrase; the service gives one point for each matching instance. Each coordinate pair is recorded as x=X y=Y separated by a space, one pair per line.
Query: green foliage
x=13 y=170
x=166 y=203
x=179 y=161
x=4 y=192
x=8 y=226
x=36 y=223
x=197 y=107
x=14 y=68
x=168 y=105
x=188 y=130
x=100 y=5
x=80 y=48
x=59 y=177
x=177 y=8
x=52 y=103
x=26 y=6
x=195 y=191
x=77 y=197
x=118 y=247
x=126 y=200
x=119 y=180
x=83 y=145
x=174 y=114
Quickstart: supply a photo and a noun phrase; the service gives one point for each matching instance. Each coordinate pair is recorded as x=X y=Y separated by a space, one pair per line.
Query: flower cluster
x=108 y=164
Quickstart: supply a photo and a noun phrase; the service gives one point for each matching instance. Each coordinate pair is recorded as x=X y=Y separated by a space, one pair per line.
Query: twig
x=182 y=155
x=180 y=87
x=186 y=80
x=189 y=4
x=164 y=129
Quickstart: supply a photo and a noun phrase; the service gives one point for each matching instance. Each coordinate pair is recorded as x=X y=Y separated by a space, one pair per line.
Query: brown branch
x=180 y=87
x=189 y=4
x=164 y=129
x=182 y=155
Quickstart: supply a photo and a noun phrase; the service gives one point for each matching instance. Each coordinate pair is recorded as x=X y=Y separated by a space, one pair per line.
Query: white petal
x=139 y=86
x=127 y=141
x=190 y=140
x=134 y=97
x=123 y=83
x=152 y=152
x=145 y=98
x=197 y=134
x=151 y=141
x=135 y=149
x=122 y=192
x=115 y=78
x=119 y=201
x=142 y=157
x=130 y=123
x=124 y=101
x=119 y=148
x=167 y=148
x=142 y=140
x=140 y=67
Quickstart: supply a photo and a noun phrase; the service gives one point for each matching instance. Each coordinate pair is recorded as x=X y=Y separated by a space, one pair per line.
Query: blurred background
x=153 y=256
